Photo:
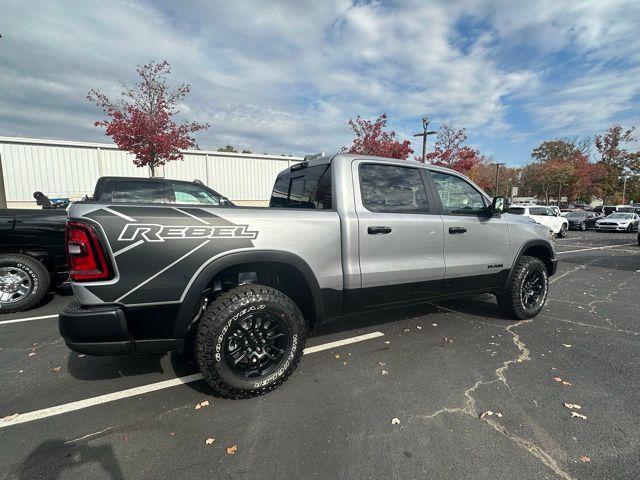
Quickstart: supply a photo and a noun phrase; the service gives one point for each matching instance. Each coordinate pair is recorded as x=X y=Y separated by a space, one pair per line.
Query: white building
x=70 y=169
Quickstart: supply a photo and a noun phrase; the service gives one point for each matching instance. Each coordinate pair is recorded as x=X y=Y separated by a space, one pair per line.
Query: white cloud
x=285 y=77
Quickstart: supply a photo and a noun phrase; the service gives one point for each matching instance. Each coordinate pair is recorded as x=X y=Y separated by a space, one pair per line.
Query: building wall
x=70 y=169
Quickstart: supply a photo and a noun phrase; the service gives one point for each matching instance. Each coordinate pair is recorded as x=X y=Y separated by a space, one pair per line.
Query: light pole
x=424 y=134
x=624 y=189
x=498 y=165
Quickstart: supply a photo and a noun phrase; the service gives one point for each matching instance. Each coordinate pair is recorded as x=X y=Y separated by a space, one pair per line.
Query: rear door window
x=392 y=189
x=304 y=188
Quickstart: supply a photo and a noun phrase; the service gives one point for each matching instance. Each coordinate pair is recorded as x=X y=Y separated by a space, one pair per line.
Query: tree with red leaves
x=372 y=140
x=450 y=150
x=141 y=121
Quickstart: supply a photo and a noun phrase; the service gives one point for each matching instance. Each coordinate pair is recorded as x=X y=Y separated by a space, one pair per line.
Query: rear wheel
x=526 y=293
x=583 y=226
x=24 y=281
x=249 y=341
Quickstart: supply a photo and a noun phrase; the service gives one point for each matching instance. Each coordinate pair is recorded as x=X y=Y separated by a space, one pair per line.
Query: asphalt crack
x=500 y=376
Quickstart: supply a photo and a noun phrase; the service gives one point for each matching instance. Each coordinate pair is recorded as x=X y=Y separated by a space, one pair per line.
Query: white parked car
x=618 y=222
x=544 y=215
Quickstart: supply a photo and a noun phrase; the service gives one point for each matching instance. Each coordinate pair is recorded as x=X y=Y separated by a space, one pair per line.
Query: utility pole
x=424 y=134
x=498 y=165
x=624 y=189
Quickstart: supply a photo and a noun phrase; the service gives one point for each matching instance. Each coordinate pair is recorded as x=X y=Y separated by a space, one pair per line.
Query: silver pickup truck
x=244 y=286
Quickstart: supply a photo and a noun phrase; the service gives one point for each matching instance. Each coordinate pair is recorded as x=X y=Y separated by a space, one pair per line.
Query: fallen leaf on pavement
x=382 y=364
x=209 y=441
x=387 y=342
x=499 y=415
x=395 y=421
x=383 y=372
x=434 y=324
x=564 y=382
x=585 y=459
x=8 y=418
x=579 y=415
x=202 y=404
x=81 y=355
x=488 y=413
x=57 y=369
x=566 y=345
x=572 y=406
x=337 y=356
x=33 y=354
x=418 y=327
x=447 y=339
x=557 y=379
x=232 y=449
x=406 y=330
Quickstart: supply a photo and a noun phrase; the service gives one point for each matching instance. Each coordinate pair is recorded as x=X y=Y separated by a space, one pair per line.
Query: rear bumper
x=95 y=330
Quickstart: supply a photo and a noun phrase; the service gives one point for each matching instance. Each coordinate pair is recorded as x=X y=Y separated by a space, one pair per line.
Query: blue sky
x=285 y=77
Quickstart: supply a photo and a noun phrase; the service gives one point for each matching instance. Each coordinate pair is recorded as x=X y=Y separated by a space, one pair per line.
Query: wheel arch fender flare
x=191 y=304
x=538 y=246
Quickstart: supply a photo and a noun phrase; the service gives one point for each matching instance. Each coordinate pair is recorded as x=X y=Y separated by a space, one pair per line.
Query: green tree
x=228 y=148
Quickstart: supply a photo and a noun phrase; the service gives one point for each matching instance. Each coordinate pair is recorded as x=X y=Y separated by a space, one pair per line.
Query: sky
x=285 y=77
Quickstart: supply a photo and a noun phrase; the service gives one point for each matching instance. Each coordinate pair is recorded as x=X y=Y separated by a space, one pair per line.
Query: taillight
x=86 y=257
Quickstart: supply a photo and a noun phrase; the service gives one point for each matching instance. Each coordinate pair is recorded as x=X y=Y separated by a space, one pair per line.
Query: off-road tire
x=215 y=326
x=510 y=301
x=38 y=275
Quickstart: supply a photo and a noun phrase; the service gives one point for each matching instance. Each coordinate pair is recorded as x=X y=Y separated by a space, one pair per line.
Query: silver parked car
x=618 y=222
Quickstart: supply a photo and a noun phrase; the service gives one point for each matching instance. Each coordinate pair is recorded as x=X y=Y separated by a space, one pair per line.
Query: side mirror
x=499 y=205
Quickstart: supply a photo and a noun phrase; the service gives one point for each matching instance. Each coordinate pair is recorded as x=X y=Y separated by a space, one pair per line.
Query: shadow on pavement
x=52 y=458
x=103 y=368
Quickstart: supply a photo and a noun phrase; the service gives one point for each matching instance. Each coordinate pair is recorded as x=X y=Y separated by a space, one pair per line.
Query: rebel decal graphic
x=152 y=232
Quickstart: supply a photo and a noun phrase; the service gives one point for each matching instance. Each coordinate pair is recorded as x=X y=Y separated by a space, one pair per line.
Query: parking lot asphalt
x=476 y=395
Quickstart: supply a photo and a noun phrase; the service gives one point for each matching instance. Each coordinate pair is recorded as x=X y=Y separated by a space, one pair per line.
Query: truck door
x=400 y=235
x=476 y=245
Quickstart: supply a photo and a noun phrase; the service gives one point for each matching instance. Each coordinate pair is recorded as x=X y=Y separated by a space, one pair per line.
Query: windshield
x=575 y=215
x=620 y=216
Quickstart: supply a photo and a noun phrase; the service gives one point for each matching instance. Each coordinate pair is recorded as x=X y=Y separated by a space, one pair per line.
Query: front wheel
x=249 y=341
x=24 y=282
x=583 y=226
x=563 y=232
x=526 y=293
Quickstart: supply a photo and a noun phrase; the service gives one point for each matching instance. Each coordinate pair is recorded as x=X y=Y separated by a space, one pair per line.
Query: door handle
x=376 y=230
x=455 y=230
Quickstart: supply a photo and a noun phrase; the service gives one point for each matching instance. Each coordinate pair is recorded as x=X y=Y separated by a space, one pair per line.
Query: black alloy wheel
x=583 y=226
x=533 y=290
x=257 y=345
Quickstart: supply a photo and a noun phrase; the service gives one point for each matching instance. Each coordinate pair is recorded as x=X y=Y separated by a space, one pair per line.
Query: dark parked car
x=32 y=256
x=32 y=252
x=580 y=220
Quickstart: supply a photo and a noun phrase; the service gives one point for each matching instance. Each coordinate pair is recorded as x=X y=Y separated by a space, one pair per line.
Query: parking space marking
x=596 y=248
x=340 y=343
x=28 y=319
x=152 y=387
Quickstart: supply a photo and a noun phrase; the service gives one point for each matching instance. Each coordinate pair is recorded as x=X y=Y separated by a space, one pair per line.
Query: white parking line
x=132 y=392
x=596 y=248
x=28 y=319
